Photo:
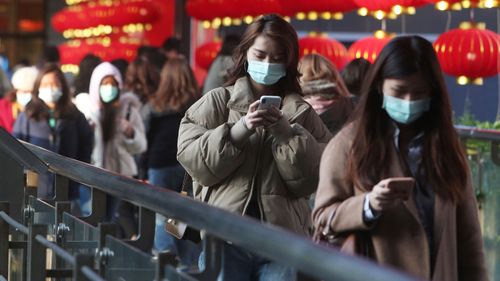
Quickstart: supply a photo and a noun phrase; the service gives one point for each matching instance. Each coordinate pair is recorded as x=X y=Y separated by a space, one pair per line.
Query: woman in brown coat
x=403 y=128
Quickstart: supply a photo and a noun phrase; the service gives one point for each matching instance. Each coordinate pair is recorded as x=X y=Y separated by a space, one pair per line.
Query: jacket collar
x=241 y=97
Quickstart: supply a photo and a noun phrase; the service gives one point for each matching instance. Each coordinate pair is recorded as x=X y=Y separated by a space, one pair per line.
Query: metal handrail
x=65 y=255
x=23 y=229
x=477 y=133
x=264 y=240
x=19 y=153
x=91 y=274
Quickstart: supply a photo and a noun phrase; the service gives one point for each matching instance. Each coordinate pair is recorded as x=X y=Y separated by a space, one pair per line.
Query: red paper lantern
x=382 y=8
x=73 y=52
x=369 y=47
x=329 y=48
x=260 y=7
x=120 y=13
x=469 y=52
x=296 y=6
x=206 y=53
x=386 y=5
x=208 y=9
x=211 y=9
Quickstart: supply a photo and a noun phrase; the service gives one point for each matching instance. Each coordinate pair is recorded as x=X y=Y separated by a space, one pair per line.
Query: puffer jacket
x=282 y=175
x=118 y=154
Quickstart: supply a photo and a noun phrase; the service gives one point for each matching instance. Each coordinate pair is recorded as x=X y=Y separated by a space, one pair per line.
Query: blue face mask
x=403 y=111
x=108 y=93
x=266 y=73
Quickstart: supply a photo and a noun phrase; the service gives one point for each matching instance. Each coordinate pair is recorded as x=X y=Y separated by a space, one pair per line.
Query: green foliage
x=474 y=146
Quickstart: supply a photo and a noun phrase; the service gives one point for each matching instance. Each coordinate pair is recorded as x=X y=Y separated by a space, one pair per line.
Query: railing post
x=31 y=185
x=146 y=230
x=60 y=229
x=81 y=261
x=98 y=211
x=12 y=182
x=162 y=260
x=61 y=188
x=212 y=249
x=4 y=242
x=36 y=253
x=495 y=152
x=105 y=229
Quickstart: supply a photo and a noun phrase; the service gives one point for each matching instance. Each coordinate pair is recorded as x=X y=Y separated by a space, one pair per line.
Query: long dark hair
x=64 y=108
x=443 y=156
x=178 y=88
x=108 y=121
x=279 y=30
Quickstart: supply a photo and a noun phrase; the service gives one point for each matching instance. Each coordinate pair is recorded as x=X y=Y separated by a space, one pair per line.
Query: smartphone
x=402 y=186
x=268 y=101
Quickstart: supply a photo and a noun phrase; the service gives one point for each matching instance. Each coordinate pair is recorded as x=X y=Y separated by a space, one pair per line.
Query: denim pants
x=171 y=178
x=240 y=265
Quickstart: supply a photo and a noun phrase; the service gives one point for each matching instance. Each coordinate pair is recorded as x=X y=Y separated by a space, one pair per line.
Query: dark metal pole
x=183 y=27
x=36 y=253
x=4 y=242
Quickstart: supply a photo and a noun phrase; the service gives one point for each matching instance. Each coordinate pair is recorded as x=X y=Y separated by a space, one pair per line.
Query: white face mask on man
x=49 y=95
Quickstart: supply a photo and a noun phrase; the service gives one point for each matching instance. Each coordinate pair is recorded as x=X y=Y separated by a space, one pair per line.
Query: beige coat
x=282 y=175
x=398 y=236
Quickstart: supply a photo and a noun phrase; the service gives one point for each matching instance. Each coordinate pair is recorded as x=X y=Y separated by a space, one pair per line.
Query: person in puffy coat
x=118 y=126
x=261 y=163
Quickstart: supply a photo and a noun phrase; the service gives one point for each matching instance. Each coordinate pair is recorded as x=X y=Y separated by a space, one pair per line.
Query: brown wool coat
x=282 y=175
x=398 y=237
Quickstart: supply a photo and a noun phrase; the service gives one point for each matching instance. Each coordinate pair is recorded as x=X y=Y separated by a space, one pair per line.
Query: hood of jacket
x=102 y=70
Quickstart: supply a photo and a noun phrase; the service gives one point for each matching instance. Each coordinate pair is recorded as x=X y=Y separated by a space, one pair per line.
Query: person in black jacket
x=162 y=116
x=52 y=121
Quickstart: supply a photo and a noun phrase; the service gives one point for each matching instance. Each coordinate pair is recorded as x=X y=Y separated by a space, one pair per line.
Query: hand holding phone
x=388 y=192
x=401 y=186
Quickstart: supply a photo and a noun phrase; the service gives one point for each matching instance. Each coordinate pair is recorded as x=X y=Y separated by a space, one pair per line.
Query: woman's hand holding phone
x=261 y=117
x=388 y=192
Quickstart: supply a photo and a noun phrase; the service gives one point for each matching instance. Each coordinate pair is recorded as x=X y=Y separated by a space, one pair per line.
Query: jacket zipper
x=257 y=174
x=254 y=180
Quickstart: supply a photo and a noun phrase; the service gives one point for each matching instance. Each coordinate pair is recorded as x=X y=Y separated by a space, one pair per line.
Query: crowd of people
x=372 y=149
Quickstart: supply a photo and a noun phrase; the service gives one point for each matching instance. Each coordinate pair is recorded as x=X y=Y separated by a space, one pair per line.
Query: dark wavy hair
x=142 y=78
x=444 y=159
x=64 y=108
x=279 y=30
x=86 y=67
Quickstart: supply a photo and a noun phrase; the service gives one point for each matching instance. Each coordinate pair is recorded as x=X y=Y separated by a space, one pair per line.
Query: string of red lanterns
x=112 y=29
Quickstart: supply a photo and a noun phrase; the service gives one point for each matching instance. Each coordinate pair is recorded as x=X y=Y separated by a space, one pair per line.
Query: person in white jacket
x=118 y=126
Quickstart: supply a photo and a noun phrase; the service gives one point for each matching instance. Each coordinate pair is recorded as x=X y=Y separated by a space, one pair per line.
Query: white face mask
x=23 y=98
x=49 y=95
